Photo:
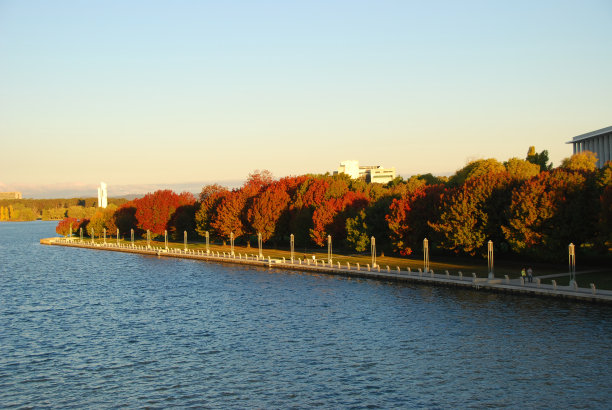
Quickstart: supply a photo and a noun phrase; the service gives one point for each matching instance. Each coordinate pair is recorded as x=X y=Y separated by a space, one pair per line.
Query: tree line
x=51 y=209
x=525 y=206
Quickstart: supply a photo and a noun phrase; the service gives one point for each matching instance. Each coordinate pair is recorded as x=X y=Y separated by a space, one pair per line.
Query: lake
x=85 y=328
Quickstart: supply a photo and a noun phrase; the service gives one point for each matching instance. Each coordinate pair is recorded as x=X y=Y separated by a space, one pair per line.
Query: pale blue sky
x=144 y=92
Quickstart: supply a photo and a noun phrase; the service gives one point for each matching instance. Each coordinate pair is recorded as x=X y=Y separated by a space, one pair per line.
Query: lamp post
x=117 y=236
x=81 y=233
x=132 y=236
x=232 y=243
x=93 y=236
x=166 y=239
x=291 y=245
x=148 y=239
x=490 y=259
x=70 y=236
x=260 y=244
x=329 y=249
x=373 y=251
x=104 y=236
x=185 y=238
x=207 y=243
x=572 y=264
x=425 y=255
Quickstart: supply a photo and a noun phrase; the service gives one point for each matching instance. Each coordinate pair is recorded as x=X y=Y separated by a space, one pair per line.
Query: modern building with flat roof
x=599 y=142
x=10 y=195
x=370 y=173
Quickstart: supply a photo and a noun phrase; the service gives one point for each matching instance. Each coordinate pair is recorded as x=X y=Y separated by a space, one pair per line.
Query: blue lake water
x=83 y=328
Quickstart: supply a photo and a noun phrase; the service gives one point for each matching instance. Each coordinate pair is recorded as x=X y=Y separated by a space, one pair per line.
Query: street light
x=426 y=255
x=373 y=250
x=572 y=264
x=490 y=259
x=329 y=249
x=260 y=244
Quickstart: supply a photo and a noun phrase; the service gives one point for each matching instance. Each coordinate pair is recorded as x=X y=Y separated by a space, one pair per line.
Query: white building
x=599 y=142
x=102 y=195
x=370 y=173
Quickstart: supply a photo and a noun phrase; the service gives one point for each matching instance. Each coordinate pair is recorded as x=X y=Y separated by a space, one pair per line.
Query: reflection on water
x=89 y=328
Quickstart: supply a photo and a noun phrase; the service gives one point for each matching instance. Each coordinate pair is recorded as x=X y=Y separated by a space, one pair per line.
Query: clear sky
x=152 y=92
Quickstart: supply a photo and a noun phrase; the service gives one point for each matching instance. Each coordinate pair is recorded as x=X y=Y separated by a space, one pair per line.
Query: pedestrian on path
x=523 y=275
x=530 y=275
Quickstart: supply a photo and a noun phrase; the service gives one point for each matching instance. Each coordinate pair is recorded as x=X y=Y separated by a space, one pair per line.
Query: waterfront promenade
x=385 y=273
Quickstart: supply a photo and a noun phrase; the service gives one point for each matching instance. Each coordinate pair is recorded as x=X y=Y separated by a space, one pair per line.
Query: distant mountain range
x=128 y=191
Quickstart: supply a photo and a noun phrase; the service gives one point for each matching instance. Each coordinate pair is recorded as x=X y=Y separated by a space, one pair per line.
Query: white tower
x=102 y=195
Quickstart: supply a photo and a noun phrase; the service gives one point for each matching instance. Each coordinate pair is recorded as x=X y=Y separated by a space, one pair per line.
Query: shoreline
x=386 y=273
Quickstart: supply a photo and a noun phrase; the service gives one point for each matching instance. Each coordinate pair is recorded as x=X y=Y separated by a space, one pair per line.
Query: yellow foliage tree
x=582 y=161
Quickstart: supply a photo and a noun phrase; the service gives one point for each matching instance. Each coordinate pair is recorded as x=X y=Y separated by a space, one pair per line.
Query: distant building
x=10 y=195
x=599 y=142
x=370 y=173
x=102 y=195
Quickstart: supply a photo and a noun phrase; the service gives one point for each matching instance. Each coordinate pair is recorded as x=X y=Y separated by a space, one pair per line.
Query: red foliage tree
x=552 y=210
x=267 y=209
x=330 y=217
x=155 y=210
x=409 y=217
x=63 y=226
x=229 y=215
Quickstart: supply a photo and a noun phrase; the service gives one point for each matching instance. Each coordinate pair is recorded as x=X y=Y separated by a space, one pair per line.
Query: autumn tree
x=550 y=211
x=155 y=210
x=581 y=161
x=475 y=169
x=473 y=213
x=267 y=209
x=408 y=217
x=104 y=218
x=521 y=169
x=65 y=225
x=210 y=198
x=330 y=218
x=229 y=215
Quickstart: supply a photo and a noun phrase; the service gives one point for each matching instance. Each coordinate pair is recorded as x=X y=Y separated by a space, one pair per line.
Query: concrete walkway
x=386 y=273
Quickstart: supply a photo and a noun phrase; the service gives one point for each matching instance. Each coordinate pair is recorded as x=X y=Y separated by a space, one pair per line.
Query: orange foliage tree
x=155 y=210
x=267 y=209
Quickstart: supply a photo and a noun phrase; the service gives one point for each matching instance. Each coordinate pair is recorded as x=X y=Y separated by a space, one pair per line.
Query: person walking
x=530 y=275
x=523 y=275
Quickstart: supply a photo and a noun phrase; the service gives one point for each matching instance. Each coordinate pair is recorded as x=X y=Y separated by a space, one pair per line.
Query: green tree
x=357 y=232
x=540 y=159
x=210 y=198
x=472 y=214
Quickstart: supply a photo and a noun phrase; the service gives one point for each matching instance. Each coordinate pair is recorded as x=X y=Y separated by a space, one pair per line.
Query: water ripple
x=81 y=328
